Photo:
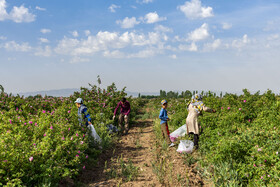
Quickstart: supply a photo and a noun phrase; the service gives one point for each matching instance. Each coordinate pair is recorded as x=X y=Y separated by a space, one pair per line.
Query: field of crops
x=240 y=142
x=41 y=141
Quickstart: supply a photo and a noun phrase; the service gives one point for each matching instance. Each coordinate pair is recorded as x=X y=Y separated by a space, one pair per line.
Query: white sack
x=94 y=133
x=185 y=146
x=181 y=131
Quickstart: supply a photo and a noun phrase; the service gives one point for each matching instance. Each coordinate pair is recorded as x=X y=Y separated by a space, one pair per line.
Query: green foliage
x=240 y=141
x=41 y=140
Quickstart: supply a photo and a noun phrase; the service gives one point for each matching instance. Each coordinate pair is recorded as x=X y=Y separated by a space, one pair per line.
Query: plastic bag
x=181 y=131
x=185 y=146
x=112 y=129
x=94 y=133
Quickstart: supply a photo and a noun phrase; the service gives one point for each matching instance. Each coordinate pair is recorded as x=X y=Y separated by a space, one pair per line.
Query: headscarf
x=197 y=103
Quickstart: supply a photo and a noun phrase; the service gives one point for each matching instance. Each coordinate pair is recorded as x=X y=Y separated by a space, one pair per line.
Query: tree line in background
x=183 y=94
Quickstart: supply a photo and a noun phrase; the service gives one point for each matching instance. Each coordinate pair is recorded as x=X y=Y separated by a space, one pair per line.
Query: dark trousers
x=195 y=139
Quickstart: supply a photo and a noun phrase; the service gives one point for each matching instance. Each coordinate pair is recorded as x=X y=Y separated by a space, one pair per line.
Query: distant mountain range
x=70 y=91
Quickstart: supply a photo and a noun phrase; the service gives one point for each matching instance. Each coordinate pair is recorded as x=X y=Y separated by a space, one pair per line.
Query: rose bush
x=41 y=140
x=240 y=141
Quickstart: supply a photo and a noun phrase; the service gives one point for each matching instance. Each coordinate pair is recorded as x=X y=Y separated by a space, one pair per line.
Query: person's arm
x=116 y=109
x=128 y=112
x=87 y=116
x=207 y=109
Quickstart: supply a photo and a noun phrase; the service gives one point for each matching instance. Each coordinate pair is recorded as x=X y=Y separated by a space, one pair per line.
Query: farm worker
x=84 y=117
x=124 y=115
x=163 y=123
x=195 y=107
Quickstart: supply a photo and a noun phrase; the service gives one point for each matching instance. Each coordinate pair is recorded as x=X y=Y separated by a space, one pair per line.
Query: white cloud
x=17 y=14
x=161 y=28
x=128 y=22
x=144 y=1
x=87 y=32
x=110 y=42
x=192 y=47
x=66 y=46
x=226 y=26
x=153 y=17
x=3 y=13
x=272 y=25
x=3 y=38
x=77 y=59
x=113 y=54
x=75 y=33
x=21 y=14
x=173 y=56
x=143 y=54
x=13 y=46
x=11 y=58
x=239 y=43
x=113 y=8
x=39 y=8
x=44 y=40
x=147 y=1
x=193 y=10
x=273 y=37
x=200 y=33
x=213 y=46
x=45 y=52
x=45 y=31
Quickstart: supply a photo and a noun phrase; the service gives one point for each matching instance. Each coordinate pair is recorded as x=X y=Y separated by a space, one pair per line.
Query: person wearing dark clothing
x=124 y=115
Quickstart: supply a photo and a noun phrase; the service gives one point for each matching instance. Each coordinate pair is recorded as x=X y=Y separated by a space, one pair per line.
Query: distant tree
x=139 y=95
x=182 y=95
x=188 y=94
x=202 y=93
x=162 y=93
x=99 y=80
x=2 y=89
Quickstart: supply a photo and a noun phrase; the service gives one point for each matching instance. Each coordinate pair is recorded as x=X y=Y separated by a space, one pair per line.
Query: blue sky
x=145 y=45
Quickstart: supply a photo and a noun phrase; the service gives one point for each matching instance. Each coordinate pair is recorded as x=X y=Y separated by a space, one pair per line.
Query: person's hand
x=125 y=116
x=114 y=117
x=89 y=123
x=168 y=119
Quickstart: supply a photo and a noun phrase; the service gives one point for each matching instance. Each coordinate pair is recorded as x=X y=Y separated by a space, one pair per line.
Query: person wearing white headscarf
x=195 y=108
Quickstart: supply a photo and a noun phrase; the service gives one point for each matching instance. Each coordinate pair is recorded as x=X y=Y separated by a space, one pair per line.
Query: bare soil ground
x=157 y=167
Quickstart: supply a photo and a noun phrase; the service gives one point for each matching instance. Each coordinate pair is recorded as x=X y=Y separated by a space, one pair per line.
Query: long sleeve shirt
x=125 y=108
x=163 y=116
x=84 y=116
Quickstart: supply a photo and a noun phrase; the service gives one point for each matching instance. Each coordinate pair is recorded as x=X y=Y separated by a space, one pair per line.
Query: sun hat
x=163 y=102
x=79 y=100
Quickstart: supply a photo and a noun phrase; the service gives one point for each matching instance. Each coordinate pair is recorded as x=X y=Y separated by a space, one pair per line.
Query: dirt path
x=156 y=167
x=137 y=147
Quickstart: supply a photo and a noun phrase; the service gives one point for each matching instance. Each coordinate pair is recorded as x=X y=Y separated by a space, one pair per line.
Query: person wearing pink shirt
x=124 y=115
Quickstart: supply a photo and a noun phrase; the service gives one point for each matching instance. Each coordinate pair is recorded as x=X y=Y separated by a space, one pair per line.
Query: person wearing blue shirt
x=163 y=123
x=84 y=117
